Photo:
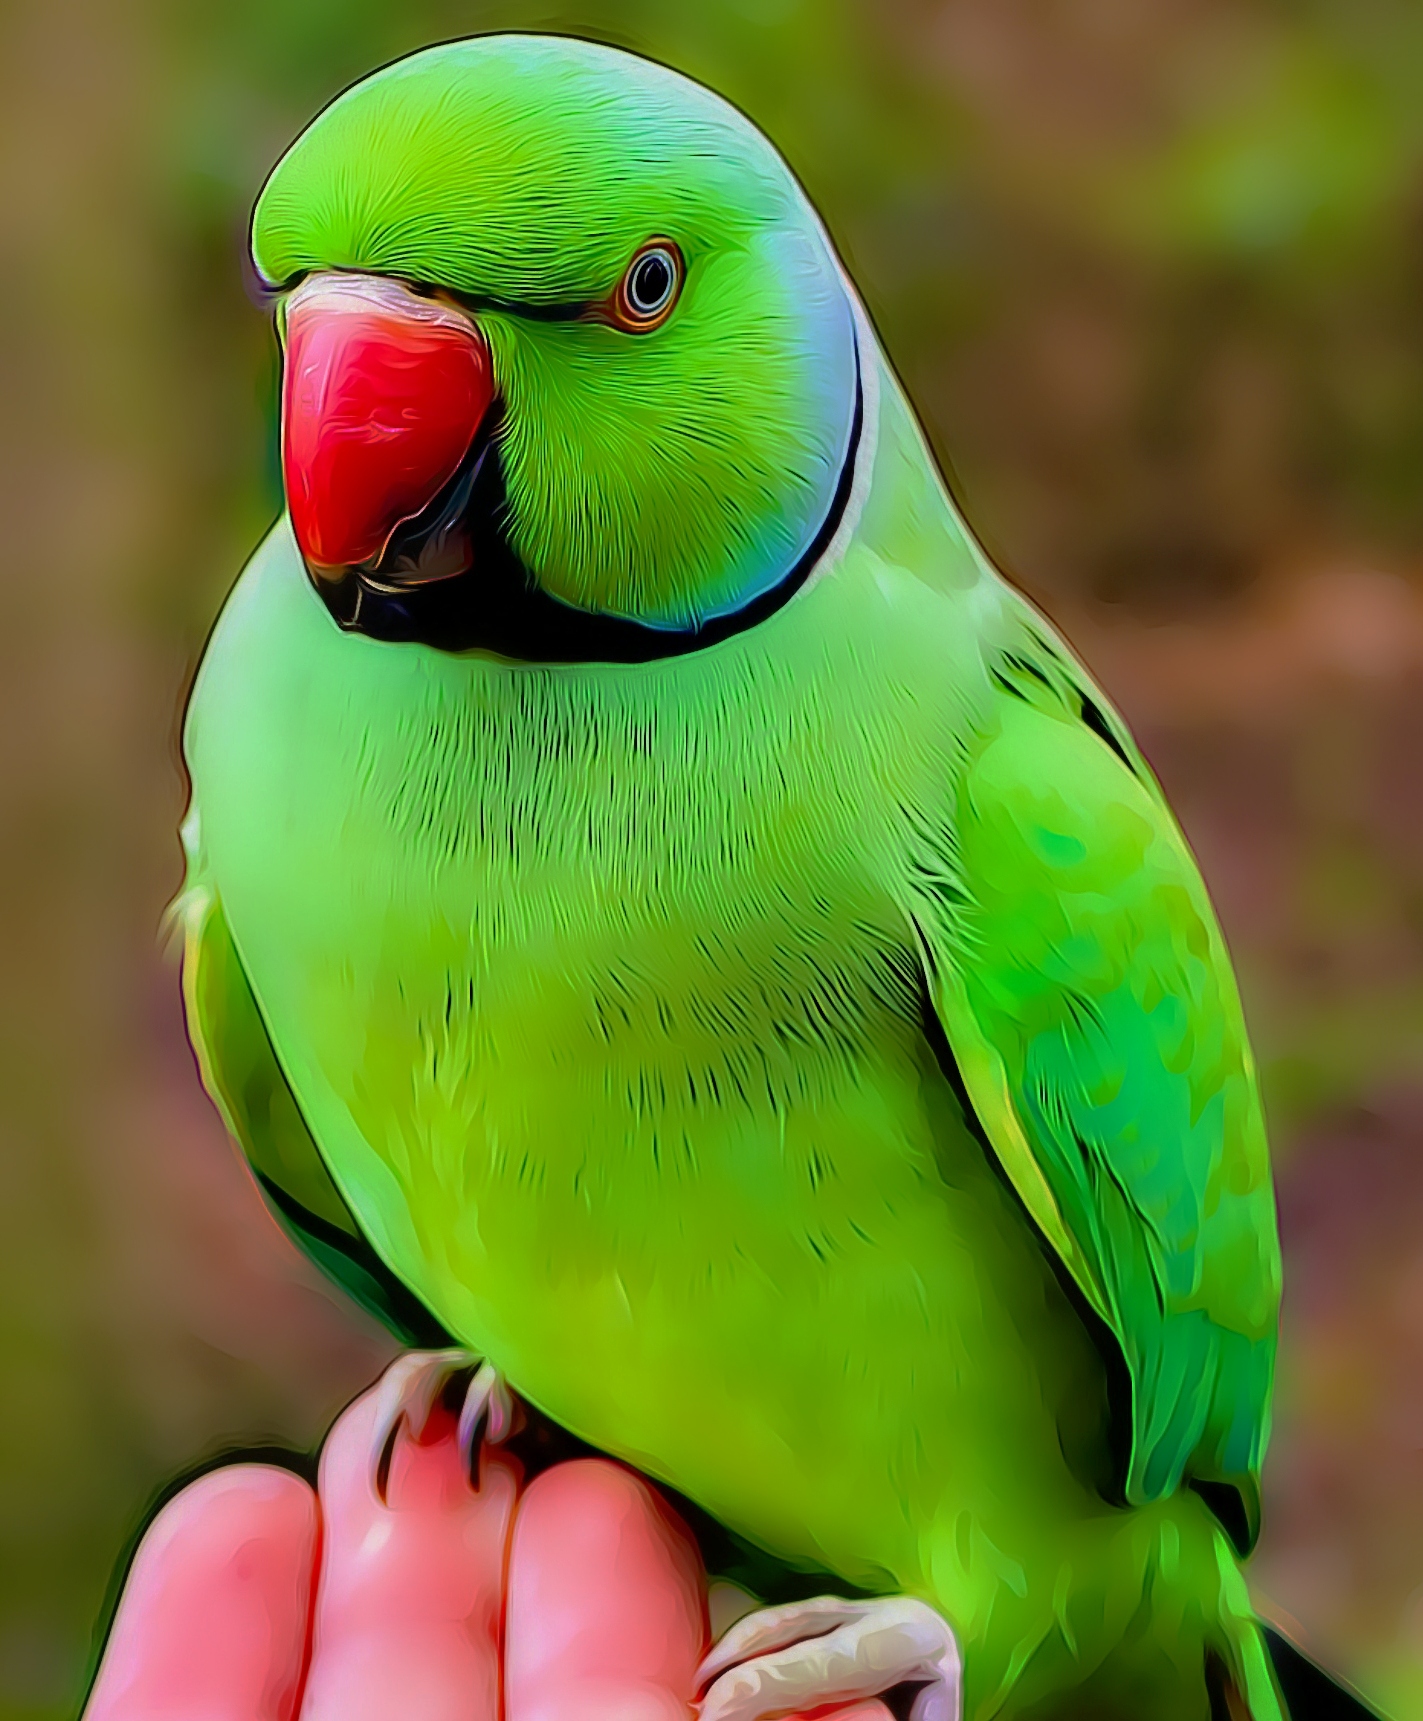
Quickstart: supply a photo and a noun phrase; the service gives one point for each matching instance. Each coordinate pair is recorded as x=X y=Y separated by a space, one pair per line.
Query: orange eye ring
x=650 y=287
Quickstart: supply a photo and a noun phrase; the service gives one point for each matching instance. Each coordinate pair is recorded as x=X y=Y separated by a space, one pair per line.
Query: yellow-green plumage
x=770 y=1056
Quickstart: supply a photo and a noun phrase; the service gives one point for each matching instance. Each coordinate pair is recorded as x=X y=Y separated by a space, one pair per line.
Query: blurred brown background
x=1153 y=270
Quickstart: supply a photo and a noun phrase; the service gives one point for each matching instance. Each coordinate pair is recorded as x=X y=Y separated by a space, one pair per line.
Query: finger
x=606 y=1615
x=873 y=1710
x=411 y=1588
x=214 y=1615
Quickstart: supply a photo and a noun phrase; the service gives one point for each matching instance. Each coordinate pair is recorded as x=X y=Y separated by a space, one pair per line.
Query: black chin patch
x=451 y=579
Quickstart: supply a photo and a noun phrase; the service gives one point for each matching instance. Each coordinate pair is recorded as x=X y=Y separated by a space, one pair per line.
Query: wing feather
x=241 y=1073
x=1084 y=987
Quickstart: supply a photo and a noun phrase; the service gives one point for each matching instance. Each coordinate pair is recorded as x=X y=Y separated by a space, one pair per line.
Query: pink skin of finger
x=606 y=1611
x=214 y=1617
x=410 y=1591
x=606 y=1614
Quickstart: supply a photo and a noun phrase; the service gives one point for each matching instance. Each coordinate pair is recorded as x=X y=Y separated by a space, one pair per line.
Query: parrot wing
x=1083 y=985
x=245 y=1082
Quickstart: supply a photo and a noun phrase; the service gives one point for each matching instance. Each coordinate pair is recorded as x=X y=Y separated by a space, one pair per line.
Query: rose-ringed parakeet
x=659 y=901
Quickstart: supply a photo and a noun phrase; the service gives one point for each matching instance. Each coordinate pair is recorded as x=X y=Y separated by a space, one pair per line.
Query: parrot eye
x=648 y=290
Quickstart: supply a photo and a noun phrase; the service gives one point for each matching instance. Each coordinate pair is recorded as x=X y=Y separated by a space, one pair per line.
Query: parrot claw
x=780 y=1660
x=408 y=1393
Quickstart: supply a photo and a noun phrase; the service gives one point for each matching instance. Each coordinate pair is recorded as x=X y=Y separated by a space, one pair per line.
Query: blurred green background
x=1153 y=271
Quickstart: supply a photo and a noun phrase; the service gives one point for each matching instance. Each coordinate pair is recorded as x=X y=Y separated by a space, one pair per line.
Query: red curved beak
x=382 y=395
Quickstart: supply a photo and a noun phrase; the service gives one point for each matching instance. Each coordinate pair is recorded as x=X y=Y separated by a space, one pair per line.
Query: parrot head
x=570 y=368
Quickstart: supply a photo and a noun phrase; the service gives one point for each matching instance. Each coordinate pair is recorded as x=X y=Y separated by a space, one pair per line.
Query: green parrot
x=664 y=912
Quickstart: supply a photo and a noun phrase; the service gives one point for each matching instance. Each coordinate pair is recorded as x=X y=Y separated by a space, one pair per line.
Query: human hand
x=253 y=1597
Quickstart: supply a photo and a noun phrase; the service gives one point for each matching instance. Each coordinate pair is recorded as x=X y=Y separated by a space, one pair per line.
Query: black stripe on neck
x=495 y=606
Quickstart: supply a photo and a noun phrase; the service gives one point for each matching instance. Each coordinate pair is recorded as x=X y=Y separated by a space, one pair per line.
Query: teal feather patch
x=1085 y=988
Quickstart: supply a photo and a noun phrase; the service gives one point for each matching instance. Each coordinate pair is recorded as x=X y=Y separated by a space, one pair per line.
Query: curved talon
x=489 y=1402
x=408 y=1393
x=806 y=1654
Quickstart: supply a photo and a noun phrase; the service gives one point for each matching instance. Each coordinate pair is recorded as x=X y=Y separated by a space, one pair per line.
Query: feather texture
x=807 y=1066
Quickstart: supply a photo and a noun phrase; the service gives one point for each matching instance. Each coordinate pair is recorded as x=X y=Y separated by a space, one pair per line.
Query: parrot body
x=805 y=1063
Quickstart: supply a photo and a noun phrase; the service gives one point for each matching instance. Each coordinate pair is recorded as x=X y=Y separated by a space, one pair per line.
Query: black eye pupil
x=651 y=283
